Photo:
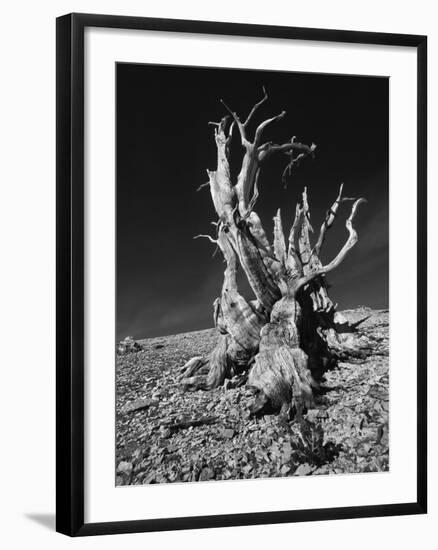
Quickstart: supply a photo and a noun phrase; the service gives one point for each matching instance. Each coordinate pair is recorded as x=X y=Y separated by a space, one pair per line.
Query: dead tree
x=290 y=331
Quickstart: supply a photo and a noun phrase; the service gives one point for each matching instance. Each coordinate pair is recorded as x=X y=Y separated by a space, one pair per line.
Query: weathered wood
x=279 y=242
x=289 y=332
x=281 y=369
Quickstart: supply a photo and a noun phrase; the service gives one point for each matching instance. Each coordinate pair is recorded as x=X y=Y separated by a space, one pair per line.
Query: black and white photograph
x=215 y=279
x=252 y=274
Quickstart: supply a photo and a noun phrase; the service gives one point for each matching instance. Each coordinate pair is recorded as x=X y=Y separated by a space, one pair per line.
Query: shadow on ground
x=46 y=520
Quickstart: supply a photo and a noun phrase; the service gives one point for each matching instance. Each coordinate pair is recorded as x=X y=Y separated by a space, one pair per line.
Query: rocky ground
x=165 y=435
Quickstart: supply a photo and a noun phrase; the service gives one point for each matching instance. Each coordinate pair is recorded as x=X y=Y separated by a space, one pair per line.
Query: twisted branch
x=209 y=237
x=329 y=219
x=351 y=241
x=256 y=106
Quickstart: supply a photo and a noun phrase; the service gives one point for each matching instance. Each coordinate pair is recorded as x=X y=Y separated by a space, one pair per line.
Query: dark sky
x=166 y=281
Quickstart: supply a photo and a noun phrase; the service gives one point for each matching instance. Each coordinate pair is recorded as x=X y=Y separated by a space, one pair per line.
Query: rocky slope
x=165 y=435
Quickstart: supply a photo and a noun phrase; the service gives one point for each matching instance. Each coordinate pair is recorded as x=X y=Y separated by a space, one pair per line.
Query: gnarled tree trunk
x=290 y=332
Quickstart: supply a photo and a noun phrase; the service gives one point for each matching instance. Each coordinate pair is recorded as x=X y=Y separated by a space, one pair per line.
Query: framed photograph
x=241 y=274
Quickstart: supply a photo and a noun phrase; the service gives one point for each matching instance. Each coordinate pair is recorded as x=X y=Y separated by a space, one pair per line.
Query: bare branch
x=242 y=125
x=206 y=184
x=223 y=124
x=351 y=241
x=238 y=122
x=256 y=106
x=293 y=261
x=288 y=168
x=209 y=237
x=306 y=209
x=305 y=151
x=304 y=245
x=255 y=196
x=214 y=241
x=246 y=179
x=329 y=219
x=297 y=220
x=262 y=126
x=279 y=244
x=222 y=191
x=267 y=149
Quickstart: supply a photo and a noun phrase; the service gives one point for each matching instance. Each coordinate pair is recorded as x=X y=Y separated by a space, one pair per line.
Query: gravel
x=165 y=435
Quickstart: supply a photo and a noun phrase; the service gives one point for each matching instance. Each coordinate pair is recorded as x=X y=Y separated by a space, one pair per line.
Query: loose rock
x=176 y=437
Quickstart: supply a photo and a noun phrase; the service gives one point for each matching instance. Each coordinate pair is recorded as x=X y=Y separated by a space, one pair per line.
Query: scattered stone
x=316 y=415
x=124 y=467
x=128 y=345
x=321 y=471
x=304 y=470
x=136 y=405
x=189 y=424
x=206 y=474
x=227 y=433
x=175 y=438
x=287 y=452
x=165 y=432
x=149 y=479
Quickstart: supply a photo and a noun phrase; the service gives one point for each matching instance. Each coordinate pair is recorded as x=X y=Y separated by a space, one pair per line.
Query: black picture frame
x=70 y=273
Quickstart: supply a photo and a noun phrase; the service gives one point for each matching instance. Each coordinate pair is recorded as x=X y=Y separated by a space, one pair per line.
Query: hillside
x=165 y=435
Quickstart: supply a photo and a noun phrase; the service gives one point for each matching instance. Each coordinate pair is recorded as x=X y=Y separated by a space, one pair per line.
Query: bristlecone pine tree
x=281 y=341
